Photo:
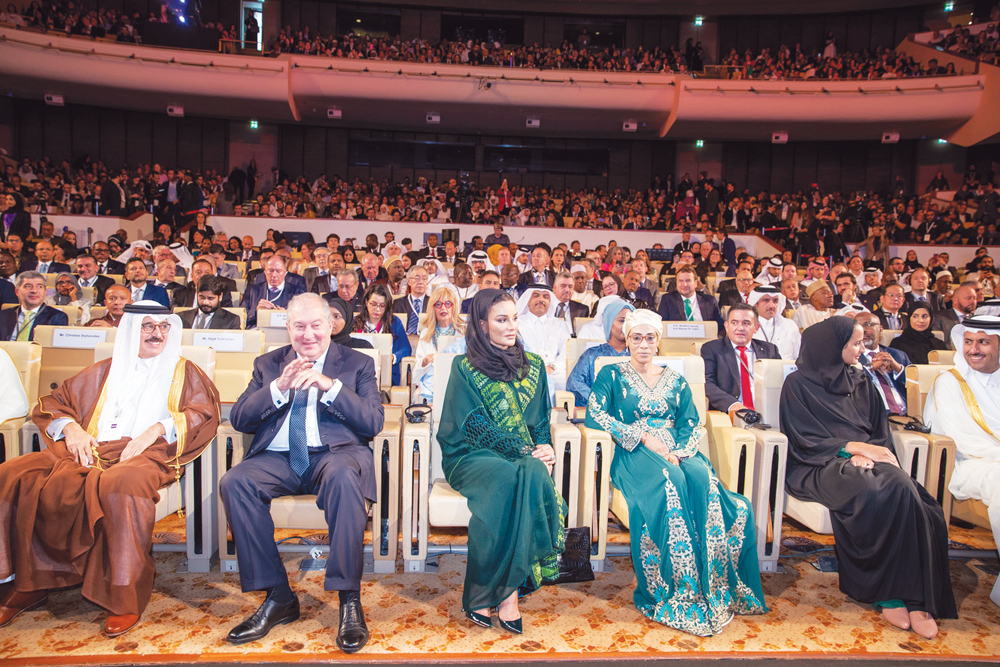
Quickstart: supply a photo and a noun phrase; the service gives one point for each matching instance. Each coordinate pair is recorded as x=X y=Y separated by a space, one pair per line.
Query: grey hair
x=344 y=273
x=307 y=299
x=28 y=275
x=413 y=270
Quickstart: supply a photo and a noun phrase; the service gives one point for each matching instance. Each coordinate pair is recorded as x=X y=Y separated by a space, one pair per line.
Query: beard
x=208 y=310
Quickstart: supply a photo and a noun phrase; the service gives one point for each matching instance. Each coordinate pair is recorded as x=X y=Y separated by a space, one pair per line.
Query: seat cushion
x=814 y=516
x=297 y=512
x=446 y=507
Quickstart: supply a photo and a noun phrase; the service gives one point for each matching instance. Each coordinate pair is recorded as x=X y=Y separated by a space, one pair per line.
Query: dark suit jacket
x=901 y=359
x=114 y=267
x=730 y=297
x=402 y=305
x=46 y=315
x=528 y=278
x=187 y=297
x=883 y=317
x=934 y=300
x=290 y=279
x=31 y=264
x=21 y=227
x=352 y=419
x=7 y=293
x=154 y=293
x=101 y=285
x=258 y=291
x=642 y=294
x=672 y=308
x=111 y=199
x=722 y=370
x=945 y=320
x=222 y=319
x=316 y=283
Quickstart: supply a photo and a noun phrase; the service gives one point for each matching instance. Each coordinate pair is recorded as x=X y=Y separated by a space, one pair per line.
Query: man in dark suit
x=729 y=361
x=274 y=293
x=136 y=275
x=886 y=366
x=540 y=273
x=19 y=323
x=744 y=285
x=414 y=304
x=187 y=296
x=890 y=311
x=7 y=292
x=687 y=304
x=320 y=273
x=209 y=313
x=113 y=199
x=634 y=289
x=566 y=309
x=311 y=440
x=920 y=292
x=963 y=303
x=86 y=272
x=432 y=249
x=105 y=265
x=248 y=254
x=43 y=260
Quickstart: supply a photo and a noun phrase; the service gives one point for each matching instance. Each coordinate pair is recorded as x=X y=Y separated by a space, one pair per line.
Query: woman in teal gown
x=496 y=451
x=693 y=542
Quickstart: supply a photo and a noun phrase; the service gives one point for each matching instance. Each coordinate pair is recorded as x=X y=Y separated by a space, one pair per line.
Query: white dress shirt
x=280 y=399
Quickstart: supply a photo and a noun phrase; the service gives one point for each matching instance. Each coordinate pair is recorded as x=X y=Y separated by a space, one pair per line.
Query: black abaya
x=891 y=536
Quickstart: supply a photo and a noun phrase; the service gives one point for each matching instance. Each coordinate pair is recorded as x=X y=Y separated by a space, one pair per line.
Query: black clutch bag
x=574 y=561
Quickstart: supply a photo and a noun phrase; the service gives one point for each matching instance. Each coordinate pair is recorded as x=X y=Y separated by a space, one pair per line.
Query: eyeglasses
x=443 y=304
x=149 y=327
x=636 y=339
x=871 y=325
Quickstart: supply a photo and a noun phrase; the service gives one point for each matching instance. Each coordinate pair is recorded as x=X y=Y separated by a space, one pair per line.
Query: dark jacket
x=722 y=370
x=101 y=285
x=528 y=278
x=672 y=308
x=258 y=291
x=47 y=315
x=31 y=264
x=222 y=319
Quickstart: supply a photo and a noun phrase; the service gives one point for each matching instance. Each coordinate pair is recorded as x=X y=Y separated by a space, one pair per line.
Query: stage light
x=357 y=20
x=181 y=19
x=699 y=144
x=949 y=6
x=253 y=125
x=698 y=20
x=942 y=141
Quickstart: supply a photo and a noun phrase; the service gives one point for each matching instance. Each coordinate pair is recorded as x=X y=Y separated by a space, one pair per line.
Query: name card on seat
x=365 y=337
x=279 y=319
x=789 y=369
x=78 y=338
x=220 y=341
x=685 y=330
x=676 y=365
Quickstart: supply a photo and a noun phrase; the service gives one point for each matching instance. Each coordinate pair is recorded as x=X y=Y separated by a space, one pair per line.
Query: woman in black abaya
x=891 y=536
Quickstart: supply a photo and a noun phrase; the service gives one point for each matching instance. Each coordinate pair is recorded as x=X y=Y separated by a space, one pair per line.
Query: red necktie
x=745 y=377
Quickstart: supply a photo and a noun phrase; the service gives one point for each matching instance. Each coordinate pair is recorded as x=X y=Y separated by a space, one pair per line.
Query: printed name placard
x=79 y=338
x=676 y=365
x=365 y=337
x=279 y=319
x=220 y=341
x=789 y=369
x=685 y=330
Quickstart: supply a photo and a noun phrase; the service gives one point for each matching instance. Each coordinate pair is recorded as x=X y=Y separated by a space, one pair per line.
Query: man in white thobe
x=773 y=327
x=964 y=404
x=543 y=334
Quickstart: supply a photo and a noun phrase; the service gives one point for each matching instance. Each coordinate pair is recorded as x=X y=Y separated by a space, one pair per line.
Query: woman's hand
x=872 y=452
x=546 y=455
x=656 y=445
x=862 y=462
x=427 y=360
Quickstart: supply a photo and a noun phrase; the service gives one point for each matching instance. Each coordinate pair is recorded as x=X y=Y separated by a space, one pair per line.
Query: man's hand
x=290 y=372
x=142 y=442
x=874 y=452
x=546 y=455
x=79 y=443
x=99 y=323
x=312 y=378
x=733 y=409
x=883 y=361
x=264 y=304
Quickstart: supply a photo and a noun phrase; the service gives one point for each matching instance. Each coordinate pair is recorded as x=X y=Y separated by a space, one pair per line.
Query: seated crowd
x=785 y=63
x=508 y=311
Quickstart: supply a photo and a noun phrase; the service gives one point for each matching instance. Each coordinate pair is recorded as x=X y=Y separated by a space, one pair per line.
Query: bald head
x=964 y=300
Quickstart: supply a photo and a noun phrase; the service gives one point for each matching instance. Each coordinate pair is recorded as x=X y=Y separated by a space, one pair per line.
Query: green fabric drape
x=487 y=433
x=693 y=542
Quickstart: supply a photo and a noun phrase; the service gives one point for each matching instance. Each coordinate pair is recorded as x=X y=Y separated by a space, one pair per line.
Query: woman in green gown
x=693 y=542
x=496 y=451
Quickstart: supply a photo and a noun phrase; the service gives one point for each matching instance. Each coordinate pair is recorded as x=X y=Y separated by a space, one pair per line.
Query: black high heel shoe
x=480 y=620
x=513 y=627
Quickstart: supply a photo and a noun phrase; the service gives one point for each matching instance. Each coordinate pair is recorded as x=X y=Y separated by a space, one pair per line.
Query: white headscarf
x=990 y=306
x=522 y=302
x=183 y=255
x=124 y=384
x=129 y=252
x=764 y=277
x=767 y=290
x=958 y=337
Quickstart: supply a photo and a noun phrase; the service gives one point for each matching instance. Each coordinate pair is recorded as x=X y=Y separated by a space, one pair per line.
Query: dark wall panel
x=782 y=168
x=214 y=141
x=859 y=31
x=139 y=139
x=114 y=137
x=806 y=163
x=165 y=141
x=86 y=132
x=769 y=33
x=189 y=143
x=314 y=151
x=853 y=167
x=336 y=153
x=828 y=167
x=57 y=132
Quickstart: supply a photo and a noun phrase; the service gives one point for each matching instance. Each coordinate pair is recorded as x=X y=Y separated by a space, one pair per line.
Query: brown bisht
x=62 y=524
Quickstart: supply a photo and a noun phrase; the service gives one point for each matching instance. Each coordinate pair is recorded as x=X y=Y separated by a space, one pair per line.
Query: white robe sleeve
x=14 y=403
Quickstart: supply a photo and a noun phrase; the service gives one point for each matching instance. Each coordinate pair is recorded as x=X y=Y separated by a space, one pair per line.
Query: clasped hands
x=654 y=444
x=883 y=362
x=300 y=374
x=864 y=455
x=546 y=455
x=81 y=444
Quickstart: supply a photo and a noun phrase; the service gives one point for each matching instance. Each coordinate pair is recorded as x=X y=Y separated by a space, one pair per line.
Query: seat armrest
x=595 y=487
x=567 y=443
x=11 y=430
x=415 y=481
x=565 y=401
x=399 y=396
x=912 y=451
x=731 y=451
x=406 y=365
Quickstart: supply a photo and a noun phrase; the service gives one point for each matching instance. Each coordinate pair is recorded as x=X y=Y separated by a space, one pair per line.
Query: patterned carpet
x=418 y=616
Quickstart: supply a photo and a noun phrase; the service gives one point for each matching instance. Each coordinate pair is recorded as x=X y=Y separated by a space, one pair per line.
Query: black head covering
x=18 y=204
x=500 y=365
x=344 y=337
x=917 y=344
x=821 y=358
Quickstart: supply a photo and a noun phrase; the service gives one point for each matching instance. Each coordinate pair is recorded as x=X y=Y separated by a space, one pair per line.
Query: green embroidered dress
x=487 y=432
x=693 y=542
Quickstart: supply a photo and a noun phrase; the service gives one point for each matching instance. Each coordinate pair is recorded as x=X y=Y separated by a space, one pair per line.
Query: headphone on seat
x=416 y=413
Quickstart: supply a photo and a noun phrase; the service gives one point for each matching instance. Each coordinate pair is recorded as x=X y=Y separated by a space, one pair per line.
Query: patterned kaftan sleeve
x=603 y=411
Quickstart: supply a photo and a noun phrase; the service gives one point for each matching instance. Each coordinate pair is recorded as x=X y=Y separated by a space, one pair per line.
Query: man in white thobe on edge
x=964 y=404
x=773 y=327
x=543 y=334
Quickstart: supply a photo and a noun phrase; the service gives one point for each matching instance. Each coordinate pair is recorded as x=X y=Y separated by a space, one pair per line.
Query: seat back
x=27 y=358
x=235 y=352
x=888 y=335
x=66 y=351
x=97 y=312
x=919 y=380
x=768 y=377
x=579 y=322
x=202 y=357
x=941 y=357
x=678 y=337
x=382 y=342
x=575 y=347
x=442 y=374
x=272 y=323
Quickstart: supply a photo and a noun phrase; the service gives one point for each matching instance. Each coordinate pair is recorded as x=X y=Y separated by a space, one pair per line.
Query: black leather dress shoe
x=353 y=633
x=266 y=617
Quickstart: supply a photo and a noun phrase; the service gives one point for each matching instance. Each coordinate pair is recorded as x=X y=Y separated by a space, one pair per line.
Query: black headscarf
x=493 y=362
x=344 y=337
x=821 y=358
x=917 y=344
